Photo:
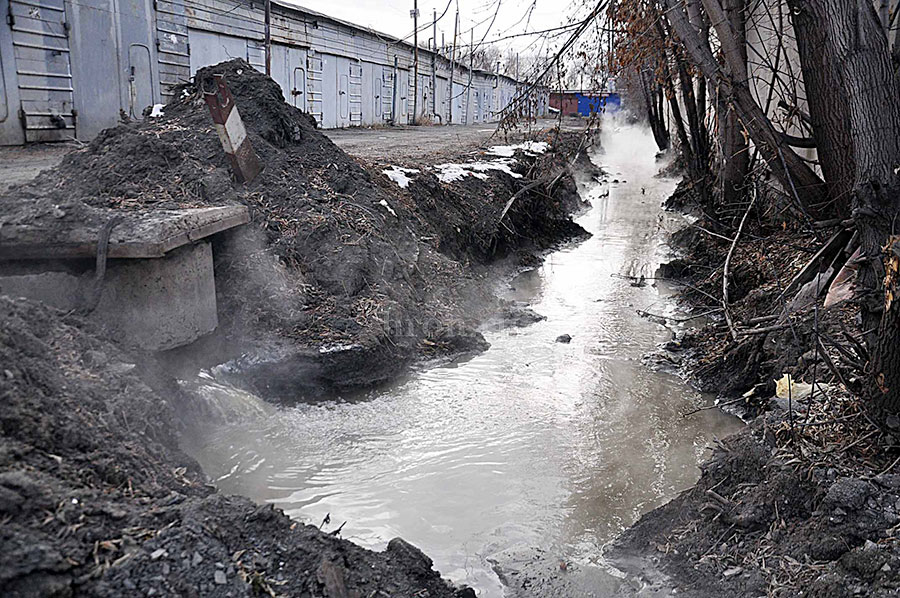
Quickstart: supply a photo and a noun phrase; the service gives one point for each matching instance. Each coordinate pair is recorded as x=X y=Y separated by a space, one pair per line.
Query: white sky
x=392 y=17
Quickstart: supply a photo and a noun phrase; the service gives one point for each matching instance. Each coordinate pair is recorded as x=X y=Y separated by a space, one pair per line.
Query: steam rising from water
x=531 y=445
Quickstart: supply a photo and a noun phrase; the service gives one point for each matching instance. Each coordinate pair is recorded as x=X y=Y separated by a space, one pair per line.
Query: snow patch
x=156 y=111
x=529 y=147
x=501 y=165
x=398 y=175
x=337 y=348
x=448 y=173
x=388 y=207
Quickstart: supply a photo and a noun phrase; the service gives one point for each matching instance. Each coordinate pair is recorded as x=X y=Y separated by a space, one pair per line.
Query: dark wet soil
x=763 y=522
x=97 y=500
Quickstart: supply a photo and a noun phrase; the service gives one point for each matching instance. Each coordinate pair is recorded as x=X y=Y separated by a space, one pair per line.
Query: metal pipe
x=395 y=100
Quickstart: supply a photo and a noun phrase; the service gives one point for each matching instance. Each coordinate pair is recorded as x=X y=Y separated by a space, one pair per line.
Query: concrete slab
x=151 y=304
x=139 y=234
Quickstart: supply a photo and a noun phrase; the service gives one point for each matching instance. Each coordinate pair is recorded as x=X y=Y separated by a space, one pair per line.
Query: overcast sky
x=392 y=17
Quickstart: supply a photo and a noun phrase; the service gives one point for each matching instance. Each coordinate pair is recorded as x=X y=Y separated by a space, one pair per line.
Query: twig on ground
x=726 y=268
x=647 y=314
x=764 y=330
x=708 y=407
x=830 y=364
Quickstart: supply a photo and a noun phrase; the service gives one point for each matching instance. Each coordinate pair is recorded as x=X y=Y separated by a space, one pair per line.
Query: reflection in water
x=530 y=444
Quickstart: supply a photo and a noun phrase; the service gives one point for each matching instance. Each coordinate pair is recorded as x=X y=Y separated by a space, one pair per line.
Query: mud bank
x=341 y=275
x=97 y=500
x=805 y=500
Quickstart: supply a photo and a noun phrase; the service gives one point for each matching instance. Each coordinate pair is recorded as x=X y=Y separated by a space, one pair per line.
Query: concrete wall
x=70 y=68
x=151 y=304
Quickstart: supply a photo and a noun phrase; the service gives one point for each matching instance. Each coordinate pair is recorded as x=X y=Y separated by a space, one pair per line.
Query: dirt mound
x=96 y=499
x=176 y=160
x=339 y=275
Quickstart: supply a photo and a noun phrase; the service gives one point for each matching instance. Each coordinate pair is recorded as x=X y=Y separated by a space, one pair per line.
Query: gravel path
x=19 y=164
x=427 y=143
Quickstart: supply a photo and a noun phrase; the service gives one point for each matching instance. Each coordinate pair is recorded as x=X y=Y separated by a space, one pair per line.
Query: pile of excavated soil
x=97 y=500
x=805 y=500
x=340 y=275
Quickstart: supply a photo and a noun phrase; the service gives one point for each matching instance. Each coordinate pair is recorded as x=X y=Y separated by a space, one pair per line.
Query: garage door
x=41 y=46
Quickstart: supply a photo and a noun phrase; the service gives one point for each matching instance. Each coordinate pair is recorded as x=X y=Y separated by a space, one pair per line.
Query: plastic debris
x=786 y=387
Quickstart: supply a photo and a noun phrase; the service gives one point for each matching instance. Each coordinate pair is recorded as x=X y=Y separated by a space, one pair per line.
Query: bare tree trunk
x=699 y=137
x=674 y=106
x=701 y=25
x=652 y=95
x=856 y=47
x=695 y=139
x=825 y=92
x=886 y=354
x=735 y=154
x=661 y=115
x=790 y=170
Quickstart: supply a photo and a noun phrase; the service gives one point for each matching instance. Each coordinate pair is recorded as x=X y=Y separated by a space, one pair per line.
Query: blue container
x=593 y=104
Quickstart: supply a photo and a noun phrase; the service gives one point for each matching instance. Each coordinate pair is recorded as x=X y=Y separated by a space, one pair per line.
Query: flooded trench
x=533 y=451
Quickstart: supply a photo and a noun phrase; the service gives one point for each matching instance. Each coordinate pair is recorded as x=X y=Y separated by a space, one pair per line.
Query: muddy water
x=532 y=452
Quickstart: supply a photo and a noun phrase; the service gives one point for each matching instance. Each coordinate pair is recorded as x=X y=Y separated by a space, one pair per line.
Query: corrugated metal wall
x=70 y=68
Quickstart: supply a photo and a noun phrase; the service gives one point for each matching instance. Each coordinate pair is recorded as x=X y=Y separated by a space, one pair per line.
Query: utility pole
x=268 y=44
x=453 y=67
x=415 y=16
x=469 y=85
x=434 y=65
x=395 y=97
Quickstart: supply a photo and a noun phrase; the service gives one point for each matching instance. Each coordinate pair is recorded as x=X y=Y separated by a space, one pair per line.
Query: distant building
x=584 y=103
x=69 y=69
